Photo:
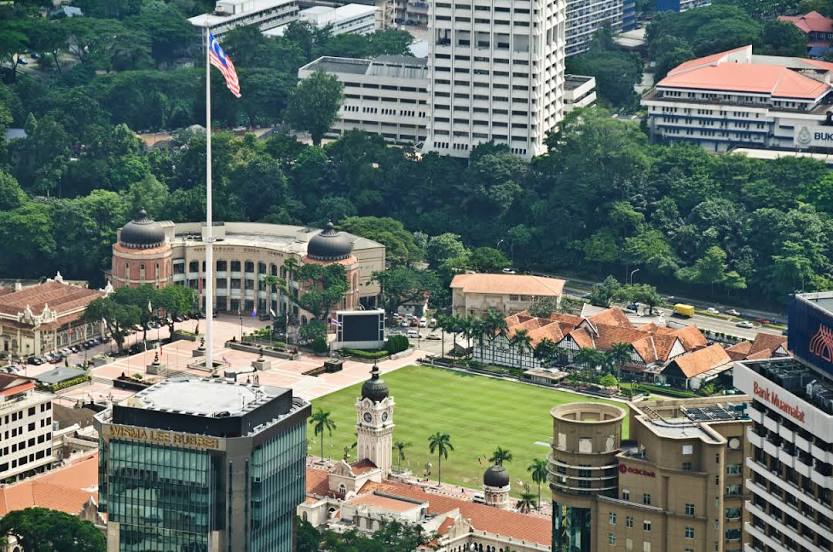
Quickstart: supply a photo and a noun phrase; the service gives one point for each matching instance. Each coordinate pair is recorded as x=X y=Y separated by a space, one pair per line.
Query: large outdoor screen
x=361 y=326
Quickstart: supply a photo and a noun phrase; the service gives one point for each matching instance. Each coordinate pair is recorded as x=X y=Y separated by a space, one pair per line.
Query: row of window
x=16 y=463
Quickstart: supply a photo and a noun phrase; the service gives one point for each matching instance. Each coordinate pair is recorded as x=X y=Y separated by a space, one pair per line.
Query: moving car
x=712 y=310
x=733 y=312
x=745 y=324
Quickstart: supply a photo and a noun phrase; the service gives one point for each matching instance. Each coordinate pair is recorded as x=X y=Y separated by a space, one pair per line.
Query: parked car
x=745 y=324
x=733 y=312
x=633 y=307
x=712 y=310
x=433 y=337
x=508 y=270
x=413 y=333
x=423 y=322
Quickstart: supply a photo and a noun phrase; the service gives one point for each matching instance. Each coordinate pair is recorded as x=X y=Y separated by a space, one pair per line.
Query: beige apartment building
x=477 y=294
x=675 y=485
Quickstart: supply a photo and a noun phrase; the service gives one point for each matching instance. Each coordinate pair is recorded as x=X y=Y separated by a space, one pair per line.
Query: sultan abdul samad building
x=161 y=253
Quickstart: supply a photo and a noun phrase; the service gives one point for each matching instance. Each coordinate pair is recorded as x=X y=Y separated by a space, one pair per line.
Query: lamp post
x=634 y=271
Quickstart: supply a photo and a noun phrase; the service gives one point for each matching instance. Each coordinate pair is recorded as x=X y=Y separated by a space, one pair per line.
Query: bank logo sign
x=821 y=344
x=814 y=136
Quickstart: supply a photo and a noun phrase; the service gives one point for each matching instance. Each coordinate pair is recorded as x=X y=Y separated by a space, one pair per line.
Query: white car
x=733 y=312
x=712 y=310
x=413 y=333
x=433 y=337
x=745 y=324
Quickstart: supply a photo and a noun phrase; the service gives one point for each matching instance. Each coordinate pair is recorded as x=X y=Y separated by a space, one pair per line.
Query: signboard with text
x=808 y=136
x=164 y=437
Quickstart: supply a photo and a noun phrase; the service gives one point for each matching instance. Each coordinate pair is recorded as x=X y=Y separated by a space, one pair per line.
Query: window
x=733 y=469
x=646 y=499
x=626 y=494
x=611 y=517
x=629 y=522
x=611 y=538
x=646 y=525
x=686 y=466
x=689 y=532
x=689 y=509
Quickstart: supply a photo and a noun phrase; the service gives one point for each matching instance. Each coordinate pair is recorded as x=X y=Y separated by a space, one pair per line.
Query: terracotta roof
x=611 y=317
x=65 y=489
x=447 y=524
x=383 y=502
x=582 y=338
x=552 y=331
x=318 y=482
x=12 y=385
x=733 y=70
x=505 y=284
x=739 y=350
x=768 y=342
x=362 y=466
x=812 y=22
x=700 y=361
x=521 y=527
x=691 y=337
x=60 y=298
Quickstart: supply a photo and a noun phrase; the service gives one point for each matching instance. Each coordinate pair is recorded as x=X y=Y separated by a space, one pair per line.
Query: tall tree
x=539 y=470
x=117 y=317
x=314 y=105
x=499 y=456
x=322 y=421
x=175 y=301
x=400 y=447
x=41 y=529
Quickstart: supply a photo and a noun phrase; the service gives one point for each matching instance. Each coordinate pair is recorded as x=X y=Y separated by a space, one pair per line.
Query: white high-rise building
x=496 y=70
x=25 y=429
x=585 y=17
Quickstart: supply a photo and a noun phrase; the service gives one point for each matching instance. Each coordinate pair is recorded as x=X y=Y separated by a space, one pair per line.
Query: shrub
x=319 y=344
x=370 y=355
x=397 y=344
x=659 y=390
x=68 y=383
x=608 y=380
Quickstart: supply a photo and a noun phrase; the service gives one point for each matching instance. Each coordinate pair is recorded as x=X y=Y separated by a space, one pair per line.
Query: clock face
x=368 y=417
x=384 y=416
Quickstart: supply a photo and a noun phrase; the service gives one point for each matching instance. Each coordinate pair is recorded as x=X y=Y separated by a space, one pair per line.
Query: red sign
x=772 y=398
x=623 y=469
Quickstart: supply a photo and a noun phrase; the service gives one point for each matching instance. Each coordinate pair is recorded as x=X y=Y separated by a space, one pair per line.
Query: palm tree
x=494 y=324
x=471 y=327
x=478 y=328
x=539 y=470
x=322 y=421
x=522 y=343
x=588 y=358
x=618 y=355
x=400 y=447
x=527 y=500
x=441 y=444
x=545 y=351
x=499 y=456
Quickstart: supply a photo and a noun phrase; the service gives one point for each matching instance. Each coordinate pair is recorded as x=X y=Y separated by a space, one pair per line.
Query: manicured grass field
x=479 y=414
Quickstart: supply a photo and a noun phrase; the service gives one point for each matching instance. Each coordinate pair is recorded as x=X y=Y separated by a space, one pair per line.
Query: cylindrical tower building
x=583 y=465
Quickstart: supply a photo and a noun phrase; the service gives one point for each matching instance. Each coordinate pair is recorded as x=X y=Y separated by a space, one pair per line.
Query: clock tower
x=374 y=423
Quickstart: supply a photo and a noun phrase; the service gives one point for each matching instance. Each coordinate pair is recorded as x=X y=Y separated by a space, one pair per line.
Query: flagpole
x=209 y=236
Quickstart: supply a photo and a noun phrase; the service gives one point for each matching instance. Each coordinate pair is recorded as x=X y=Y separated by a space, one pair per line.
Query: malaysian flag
x=221 y=61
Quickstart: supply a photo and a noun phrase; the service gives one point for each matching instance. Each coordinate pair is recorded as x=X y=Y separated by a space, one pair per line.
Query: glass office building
x=203 y=465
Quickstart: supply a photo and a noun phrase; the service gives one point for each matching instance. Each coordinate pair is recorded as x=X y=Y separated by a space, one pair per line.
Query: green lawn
x=479 y=413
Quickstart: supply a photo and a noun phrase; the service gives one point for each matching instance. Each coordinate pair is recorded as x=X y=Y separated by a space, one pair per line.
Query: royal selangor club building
x=203 y=465
x=790 y=464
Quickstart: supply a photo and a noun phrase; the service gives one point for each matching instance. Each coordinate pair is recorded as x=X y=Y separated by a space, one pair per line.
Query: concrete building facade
x=585 y=17
x=790 y=464
x=387 y=95
x=25 y=428
x=203 y=464
x=350 y=18
x=681 y=5
x=477 y=294
x=230 y=14
x=676 y=484
x=496 y=70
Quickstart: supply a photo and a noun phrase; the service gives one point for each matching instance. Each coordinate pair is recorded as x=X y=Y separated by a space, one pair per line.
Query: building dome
x=142 y=232
x=496 y=476
x=375 y=388
x=329 y=245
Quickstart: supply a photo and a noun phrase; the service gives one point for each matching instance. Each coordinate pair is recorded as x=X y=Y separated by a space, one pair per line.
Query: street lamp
x=634 y=271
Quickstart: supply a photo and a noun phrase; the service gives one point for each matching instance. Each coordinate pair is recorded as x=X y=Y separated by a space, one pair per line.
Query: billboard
x=360 y=329
x=810 y=136
x=810 y=335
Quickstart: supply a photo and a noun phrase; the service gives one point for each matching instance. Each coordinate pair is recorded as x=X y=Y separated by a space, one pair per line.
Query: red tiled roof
x=60 y=298
x=701 y=361
x=362 y=466
x=65 y=489
x=768 y=342
x=812 y=22
x=521 y=527
x=318 y=482
x=691 y=337
x=739 y=350
x=611 y=317
x=447 y=524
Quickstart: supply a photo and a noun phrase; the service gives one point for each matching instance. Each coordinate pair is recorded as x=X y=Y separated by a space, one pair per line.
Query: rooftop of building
x=800 y=379
x=60 y=297
x=571 y=82
x=764 y=345
x=509 y=284
x=211 y=398
x=697 y=363
x=284 y=237
x=65 y=489
x=382 y=501
x=812 y=22
x=821 y=299
x=12 y=385
x=690 y=418
x=739 y=71
x=388 y=66
x=247 y=7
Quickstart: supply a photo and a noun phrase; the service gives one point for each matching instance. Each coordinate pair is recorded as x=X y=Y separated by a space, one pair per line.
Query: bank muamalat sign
x=813 y=137
x=164 y=437
x=770 y=396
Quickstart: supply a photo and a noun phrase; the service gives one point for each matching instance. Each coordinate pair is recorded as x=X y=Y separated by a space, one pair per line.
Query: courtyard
x=479 y=413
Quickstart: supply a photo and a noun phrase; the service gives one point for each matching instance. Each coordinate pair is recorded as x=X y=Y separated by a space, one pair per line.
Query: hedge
x=669 y=391
x=372 y=355
x=68 y=383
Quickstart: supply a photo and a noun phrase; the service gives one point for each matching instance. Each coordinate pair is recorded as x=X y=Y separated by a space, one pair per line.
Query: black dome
x=142 y=232
x=496 y=476
x=329 y=245
x=375 y=388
